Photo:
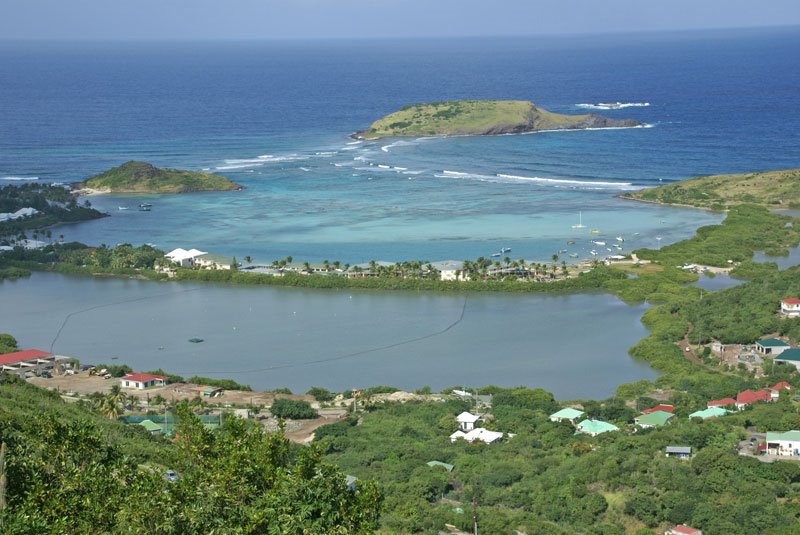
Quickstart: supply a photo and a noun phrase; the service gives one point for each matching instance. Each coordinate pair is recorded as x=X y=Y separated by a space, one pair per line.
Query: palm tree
x=248 y=259
x=307 y=267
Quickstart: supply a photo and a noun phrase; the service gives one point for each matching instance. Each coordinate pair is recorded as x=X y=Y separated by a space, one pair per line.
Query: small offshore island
x=142 y=177
x=480 y=118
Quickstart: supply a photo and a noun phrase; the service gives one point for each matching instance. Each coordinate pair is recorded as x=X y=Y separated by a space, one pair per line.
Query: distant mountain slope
x=480 y=117
x=141 y=177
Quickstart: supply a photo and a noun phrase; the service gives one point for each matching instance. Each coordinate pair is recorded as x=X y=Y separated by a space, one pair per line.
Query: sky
x=303 y=19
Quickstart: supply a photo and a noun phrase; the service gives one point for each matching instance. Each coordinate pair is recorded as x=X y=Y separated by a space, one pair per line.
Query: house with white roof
x=466 y=421
x=478 y=434
x=184 y=258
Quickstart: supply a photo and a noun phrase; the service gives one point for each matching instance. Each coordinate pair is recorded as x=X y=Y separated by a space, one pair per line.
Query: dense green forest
x=54 y=204
x=65 y=469
x=548 y=480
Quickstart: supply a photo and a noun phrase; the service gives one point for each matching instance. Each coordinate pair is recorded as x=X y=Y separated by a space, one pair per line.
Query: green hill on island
x=141 y=177
x=773 y=189
x=480 y=117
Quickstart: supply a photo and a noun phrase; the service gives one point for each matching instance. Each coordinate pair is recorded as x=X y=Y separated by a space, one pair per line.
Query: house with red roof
x=683 y=529
x=775 y=390
x=141 y=381
x=724 y=402
x=28 y=360
x=748 y=397
x=661 y=407
x=790 y=307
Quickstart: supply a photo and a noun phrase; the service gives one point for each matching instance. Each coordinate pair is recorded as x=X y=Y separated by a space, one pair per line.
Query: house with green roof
x=653 y=419
x=151 y=426
x=786 y=444
x=569 y=414
x=790 y=356
x=595 y=427
x=711 y=412
x=771 y=346
x=446 y=466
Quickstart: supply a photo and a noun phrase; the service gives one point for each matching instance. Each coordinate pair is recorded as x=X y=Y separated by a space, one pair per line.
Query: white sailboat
x=580 y=221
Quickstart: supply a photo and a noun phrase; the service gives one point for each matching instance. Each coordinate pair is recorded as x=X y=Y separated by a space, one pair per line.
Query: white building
x=479 y=433
x=28 y=360
x=184 y=258
x=784 y=444
x=140 y=381
x=466 y=421
x=790 y=307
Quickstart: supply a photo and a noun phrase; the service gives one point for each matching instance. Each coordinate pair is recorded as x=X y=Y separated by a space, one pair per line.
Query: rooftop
x=771 y=342
x=446 y=466
x=568 y=413
x=467 y=417
x=748 y=396
x=143 y=377
x=793 y=436
x=657 y=418
x=790 y=354
x=22 y=356
x=660 y=407
x=679 y=449
x=595 y=427
x=721 y=402
x=711 y=412
x=791 y=301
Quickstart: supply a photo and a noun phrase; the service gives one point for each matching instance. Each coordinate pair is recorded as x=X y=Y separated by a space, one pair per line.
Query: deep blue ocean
x=275 y=117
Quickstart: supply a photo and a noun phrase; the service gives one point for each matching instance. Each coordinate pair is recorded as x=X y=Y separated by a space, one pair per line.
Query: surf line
x=105 y=305
x=341 y=357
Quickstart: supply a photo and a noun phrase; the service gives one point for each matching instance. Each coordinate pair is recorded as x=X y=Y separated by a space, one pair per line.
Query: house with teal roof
x=566 y=415
x=786 y=444
x=653 y=419
x=771 y=346
x=595 y=427
x=711 y=412
x=790 y=356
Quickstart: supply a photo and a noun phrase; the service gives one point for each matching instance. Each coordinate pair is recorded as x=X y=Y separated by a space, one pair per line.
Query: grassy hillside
x=141 y=177
x=479 y=117
x=774 y=189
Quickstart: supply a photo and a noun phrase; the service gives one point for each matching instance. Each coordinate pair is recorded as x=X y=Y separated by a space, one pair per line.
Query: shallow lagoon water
x=572 y=345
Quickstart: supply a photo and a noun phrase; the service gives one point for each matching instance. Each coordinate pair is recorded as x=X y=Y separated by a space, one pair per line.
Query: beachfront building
x=28 y=360
x=450 y=270
x=790 y=307
x=790 y=356
x=566 y=415
x=653 y=419
x=212 y=261
x=711 y=412
x=184 y=258
x=680 y=452
x=466 y=421
x=771 y=346
x=748 y=397
x=785 y=444
x=140 y=381
x=595 y=427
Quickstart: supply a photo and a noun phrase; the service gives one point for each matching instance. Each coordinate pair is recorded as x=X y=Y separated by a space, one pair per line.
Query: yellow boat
x=595 y=231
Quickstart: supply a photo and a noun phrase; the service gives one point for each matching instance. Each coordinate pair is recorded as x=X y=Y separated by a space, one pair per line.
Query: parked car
x=170 y=475
x=46 y=375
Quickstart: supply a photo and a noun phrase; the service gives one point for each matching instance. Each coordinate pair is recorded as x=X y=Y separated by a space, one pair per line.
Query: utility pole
x=474 y=515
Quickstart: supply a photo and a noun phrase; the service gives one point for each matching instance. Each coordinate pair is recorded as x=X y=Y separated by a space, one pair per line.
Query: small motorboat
x=596 y=242
x=195 y=340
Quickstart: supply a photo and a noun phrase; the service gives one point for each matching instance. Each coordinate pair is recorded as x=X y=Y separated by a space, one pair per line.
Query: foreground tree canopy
x=65 y=474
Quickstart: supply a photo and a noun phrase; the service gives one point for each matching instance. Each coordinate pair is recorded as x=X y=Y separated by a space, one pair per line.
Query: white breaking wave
x=566 y=181
x=19 y=178
x=384 y=166
x=613 y=105
x=400 y=143
x=325 y=154
x=556 y=182
x=238 y=166
x=354 y=143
